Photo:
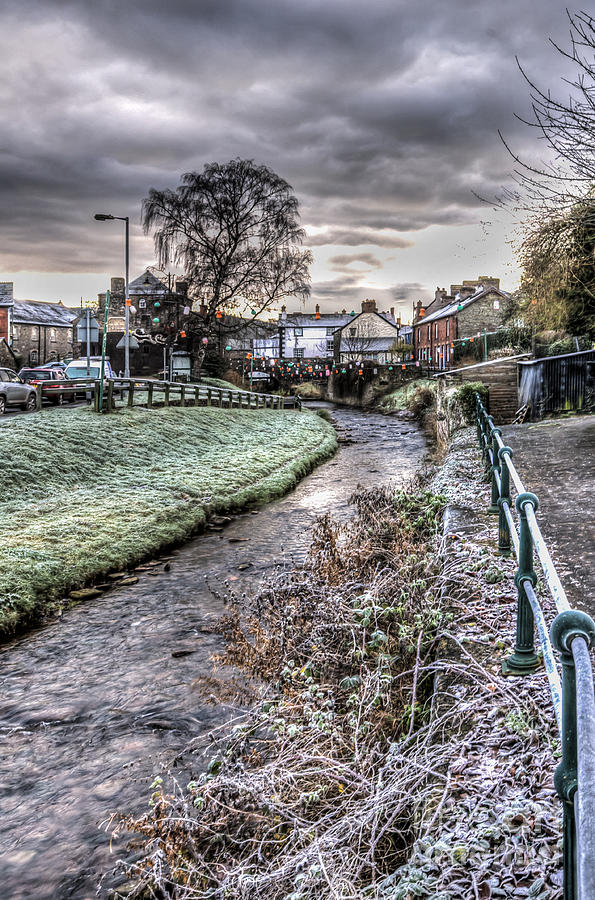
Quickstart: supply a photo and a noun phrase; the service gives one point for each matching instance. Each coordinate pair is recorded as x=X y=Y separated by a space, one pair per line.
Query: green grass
x=402 y=397
x=85 y=494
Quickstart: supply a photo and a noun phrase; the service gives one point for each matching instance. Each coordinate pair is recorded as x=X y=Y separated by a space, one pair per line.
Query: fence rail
x=572 y=634
x=558 y=383
x=150 y=393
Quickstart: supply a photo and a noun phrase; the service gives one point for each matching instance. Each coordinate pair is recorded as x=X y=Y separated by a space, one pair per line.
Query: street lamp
x=103 y=217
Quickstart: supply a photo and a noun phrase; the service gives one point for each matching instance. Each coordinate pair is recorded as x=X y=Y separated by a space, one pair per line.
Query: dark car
x=51 y=380
x=15 y=392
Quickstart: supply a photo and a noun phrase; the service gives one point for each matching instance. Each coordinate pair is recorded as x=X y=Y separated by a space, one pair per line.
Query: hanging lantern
x=352 y=313
x=317 y=316
x=228 y=348
x=133 y=309
x=253 y=311
x=182 y=334
x=186 y=310
x=422 y=313
x=403 y=367
x=390 y=368
x=205 y=341
x=218 y=314
x=459 y=307
x=156 y=320
x=360 y=372
x=157 y=304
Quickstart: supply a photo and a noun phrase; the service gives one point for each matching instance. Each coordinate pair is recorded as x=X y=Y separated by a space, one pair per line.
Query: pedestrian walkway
x=556 y=461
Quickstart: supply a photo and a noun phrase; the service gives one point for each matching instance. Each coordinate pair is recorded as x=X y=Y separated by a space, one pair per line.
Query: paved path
x=556 y=460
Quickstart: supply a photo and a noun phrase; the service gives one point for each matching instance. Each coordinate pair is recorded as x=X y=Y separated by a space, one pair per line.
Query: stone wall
x=482 y=315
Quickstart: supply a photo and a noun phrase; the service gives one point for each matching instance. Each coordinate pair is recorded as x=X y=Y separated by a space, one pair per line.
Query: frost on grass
x=387 y=757
x=89 y=494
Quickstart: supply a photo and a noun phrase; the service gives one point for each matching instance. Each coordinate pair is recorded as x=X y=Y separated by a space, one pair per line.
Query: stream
x=94 y=704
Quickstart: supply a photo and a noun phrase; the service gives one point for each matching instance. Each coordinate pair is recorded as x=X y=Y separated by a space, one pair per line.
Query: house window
x=299 y=352
x=142 y=304
x=34 y=333
x=352 y=332
x=496 y=304
x=52 y=334
x=33 y=357
x=330 y=330
x=330 y=346
x=15 y=332
x=298 y=332
x=429 y=332
x=436 y=330
x=448 y=328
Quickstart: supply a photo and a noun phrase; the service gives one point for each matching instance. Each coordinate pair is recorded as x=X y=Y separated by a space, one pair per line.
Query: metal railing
x=572 y=634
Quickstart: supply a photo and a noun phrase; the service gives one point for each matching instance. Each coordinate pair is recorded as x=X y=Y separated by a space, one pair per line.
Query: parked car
x=77 y=369
x=14 y=392
x=53 y=365
x=51 y=380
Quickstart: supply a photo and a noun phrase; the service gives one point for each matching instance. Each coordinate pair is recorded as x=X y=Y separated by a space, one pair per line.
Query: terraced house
x=465 y=314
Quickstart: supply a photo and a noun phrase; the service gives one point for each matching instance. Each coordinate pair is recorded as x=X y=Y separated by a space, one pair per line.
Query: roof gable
x=453 y=308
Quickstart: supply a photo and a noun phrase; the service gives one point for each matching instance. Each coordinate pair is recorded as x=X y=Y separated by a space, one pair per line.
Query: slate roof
x=40 y=312
x=326 y=320
x=155 y=286
x=374 y=312
x=454 y=307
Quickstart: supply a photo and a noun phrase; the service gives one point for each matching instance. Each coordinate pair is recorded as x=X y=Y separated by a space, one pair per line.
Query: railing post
x=566 y=626
x=524 y=659
x=110 y=395
x=196 y=395
x=504 y=454
x=495 y=433
x=166 y=394
x=96 y=394
x=37 y=397
x=209 y=396
x=478 y=417
x=150 y=395
x=131 y=393
x=182 y=395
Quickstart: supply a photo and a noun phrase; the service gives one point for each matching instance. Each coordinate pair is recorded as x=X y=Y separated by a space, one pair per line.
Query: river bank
x=88 y=495
x=365 y=781
x=121 y=689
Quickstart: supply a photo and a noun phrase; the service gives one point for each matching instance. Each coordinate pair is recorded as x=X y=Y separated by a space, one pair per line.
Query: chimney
x=343 y=312
x=117 y=285
x=418 y=309
x=368 y=306
x=392 y=313
x=283 y=313
x=317 y=316
x=399 y=321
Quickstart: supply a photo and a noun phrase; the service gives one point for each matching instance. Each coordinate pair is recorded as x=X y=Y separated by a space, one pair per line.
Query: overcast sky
x=382 y=115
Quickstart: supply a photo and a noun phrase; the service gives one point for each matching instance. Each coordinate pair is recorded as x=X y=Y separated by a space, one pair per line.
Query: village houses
x=470 y=310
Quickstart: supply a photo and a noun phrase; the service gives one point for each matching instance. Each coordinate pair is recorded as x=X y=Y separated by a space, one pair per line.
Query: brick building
x=470 y=309
x=6 y=305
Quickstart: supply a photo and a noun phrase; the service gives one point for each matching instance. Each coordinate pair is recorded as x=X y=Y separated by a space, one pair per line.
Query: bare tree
x=567 y=127
x=234 y=228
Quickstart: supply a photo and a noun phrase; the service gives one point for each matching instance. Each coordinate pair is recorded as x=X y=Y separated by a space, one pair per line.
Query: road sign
x=132 y=343
x=81 y=329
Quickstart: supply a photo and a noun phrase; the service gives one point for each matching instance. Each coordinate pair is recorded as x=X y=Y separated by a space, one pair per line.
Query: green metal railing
x=572 y=634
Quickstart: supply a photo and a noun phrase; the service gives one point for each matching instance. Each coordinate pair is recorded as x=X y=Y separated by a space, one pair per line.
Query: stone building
x=470 y=310
x=369 y=335
x=42 y=331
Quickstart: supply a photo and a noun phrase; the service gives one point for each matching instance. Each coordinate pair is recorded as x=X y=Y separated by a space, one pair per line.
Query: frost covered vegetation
x=314 y=793
x=350 y=778
x=86 y=494
x=410 y=396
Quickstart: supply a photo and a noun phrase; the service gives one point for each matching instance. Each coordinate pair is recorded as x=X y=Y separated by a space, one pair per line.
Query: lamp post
x=103 y=217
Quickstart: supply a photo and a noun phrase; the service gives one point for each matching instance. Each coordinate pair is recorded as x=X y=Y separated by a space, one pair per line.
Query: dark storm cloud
x=343 y=260
x=383 y=116
x=356 y=237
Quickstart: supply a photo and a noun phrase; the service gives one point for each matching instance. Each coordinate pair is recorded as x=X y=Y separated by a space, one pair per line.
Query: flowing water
x=93 y=705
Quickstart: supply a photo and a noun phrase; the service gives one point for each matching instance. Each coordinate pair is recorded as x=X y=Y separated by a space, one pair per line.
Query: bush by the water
x=312 y=795
x=89 y=494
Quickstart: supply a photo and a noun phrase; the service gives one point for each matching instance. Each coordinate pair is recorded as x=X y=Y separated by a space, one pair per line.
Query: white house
x=369 y=335
x=307 y=336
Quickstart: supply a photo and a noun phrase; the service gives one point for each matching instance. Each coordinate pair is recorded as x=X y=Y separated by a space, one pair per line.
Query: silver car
x=14 y=392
